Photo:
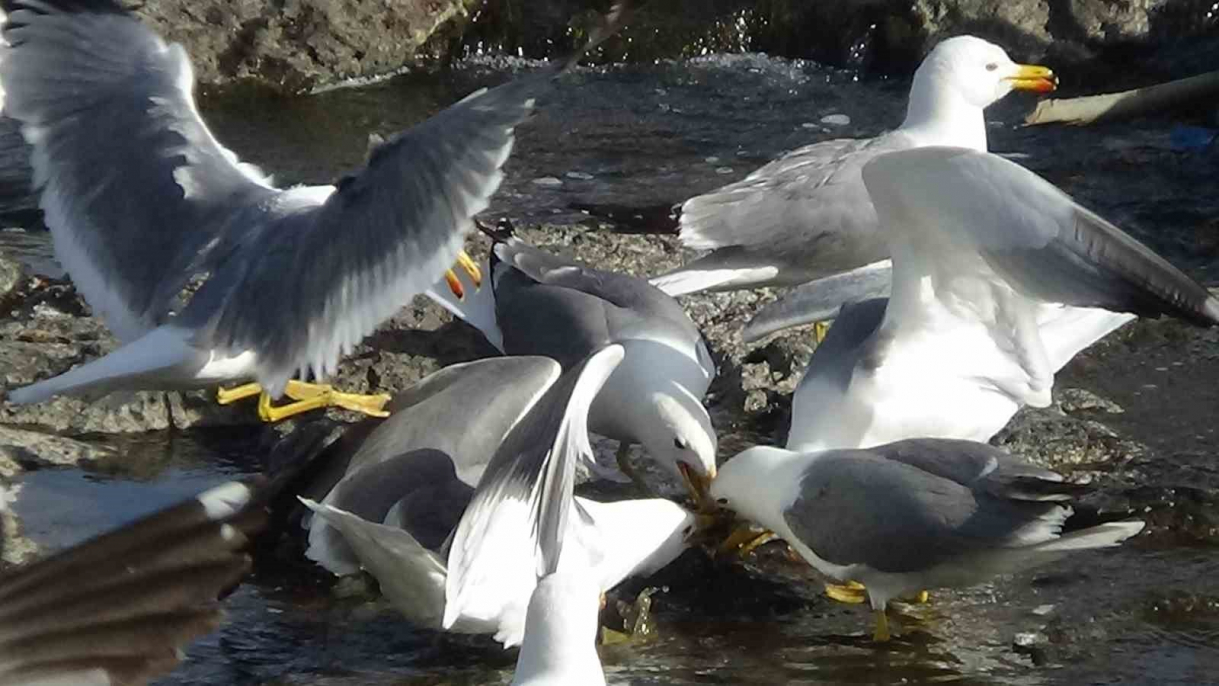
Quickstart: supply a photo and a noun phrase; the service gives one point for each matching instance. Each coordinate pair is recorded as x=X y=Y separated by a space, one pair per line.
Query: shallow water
x=624 y=144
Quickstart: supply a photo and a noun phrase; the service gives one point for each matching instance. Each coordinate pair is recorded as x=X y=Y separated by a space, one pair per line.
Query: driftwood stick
x=1129 y=103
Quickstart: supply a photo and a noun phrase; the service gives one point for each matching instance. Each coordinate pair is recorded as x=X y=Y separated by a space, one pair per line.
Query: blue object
x=1192 y=137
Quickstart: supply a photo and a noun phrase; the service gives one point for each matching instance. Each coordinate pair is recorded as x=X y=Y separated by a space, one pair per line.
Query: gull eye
x=680 y=443
x=992 y=66
x=722 y=501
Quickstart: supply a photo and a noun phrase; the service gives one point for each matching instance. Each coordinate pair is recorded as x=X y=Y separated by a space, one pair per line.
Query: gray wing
x=133 y=184
x=629 y=293
x=520 y=508
x=820 y=300
x=836 y=357
x=552 y=306
x=981 y=467
x=464 y=410
x=327 y=275
x=1042 y=242
x=858 y=507
x=815 y=189
x=121 y=607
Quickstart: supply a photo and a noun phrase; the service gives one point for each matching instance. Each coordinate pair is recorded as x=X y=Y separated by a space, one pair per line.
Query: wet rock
x=23 y=449
x=1072 y=400
x=1050 y=438
x=12 y=277
x=297 y=45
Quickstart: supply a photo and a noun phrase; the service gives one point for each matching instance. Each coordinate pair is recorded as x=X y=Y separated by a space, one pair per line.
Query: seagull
x=914 y=514
x=118 y=609
x=518 y=534
x=542 y=304
x=140 y=198
x=999 y=279
x=806 y=216
x=409 y=481
x=560 y=646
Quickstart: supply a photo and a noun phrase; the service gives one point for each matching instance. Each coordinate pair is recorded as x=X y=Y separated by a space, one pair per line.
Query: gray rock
x=297 y=45
x=1050 y=438
x=31 y=449
x=12 y=278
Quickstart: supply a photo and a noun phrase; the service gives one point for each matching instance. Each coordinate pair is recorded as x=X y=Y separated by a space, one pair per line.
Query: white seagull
x=140 y=198
x=999 y=279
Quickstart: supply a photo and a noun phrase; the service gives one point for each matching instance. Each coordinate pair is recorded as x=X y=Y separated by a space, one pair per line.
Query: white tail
x=159 y=360
x=476 y=308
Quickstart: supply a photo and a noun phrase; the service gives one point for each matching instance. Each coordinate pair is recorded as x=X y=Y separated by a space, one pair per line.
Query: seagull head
x=680 y=437
x=980 y=72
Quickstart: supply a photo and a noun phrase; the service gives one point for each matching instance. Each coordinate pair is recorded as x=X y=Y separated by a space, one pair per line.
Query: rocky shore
x=300 y=45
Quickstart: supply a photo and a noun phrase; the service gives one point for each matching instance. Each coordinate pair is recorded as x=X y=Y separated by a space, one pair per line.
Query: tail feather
x=162 y=359
x=708 y=274
x=411 y=576
x=1102 y=536
x=476 y=306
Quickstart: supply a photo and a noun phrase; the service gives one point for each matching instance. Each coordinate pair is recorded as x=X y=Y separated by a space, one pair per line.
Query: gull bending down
x=395 y=510
x=543 y=304
x=913 y=515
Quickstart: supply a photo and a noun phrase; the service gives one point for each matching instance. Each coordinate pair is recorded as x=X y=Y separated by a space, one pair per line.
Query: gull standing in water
x=140 y=197
x=119 y=609
x=913 y=515
x=807 y=215
x=999 y=279
x=542 y=304
x=410 y=480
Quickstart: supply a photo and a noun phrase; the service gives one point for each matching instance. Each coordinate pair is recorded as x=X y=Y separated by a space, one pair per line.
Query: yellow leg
x=852 y=592
x=224 y=396
x=269 y=413
x=372 y=405
x=881 y=635
x=467 y=263
x=820 y=329
x=306 y=397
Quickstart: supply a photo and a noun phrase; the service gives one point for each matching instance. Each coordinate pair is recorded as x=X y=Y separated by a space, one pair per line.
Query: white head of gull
x=806 y=216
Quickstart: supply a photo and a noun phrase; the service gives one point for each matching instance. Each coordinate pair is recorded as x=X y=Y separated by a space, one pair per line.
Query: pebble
x=548 y=181
x=582 y=176
x=836 y=119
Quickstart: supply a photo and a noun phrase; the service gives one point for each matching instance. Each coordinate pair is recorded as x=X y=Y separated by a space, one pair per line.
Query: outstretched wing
x=983 y=249
x=513 y=528
x=133 y=184
x=326 y=276
x=1043 y=243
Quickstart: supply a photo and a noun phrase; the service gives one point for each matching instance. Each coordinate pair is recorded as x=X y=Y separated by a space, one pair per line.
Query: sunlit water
x=620 y=146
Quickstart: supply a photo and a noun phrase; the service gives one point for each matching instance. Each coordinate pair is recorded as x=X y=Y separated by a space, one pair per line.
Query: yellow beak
x=1030 y=77
x=698 y=485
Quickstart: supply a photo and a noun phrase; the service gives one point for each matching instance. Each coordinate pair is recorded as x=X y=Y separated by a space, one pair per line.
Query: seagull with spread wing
x=806 y=216
x=999 y=279
x=141 y=198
